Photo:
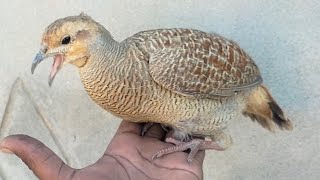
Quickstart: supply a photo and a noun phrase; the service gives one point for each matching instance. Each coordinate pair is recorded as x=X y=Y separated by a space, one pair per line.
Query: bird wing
x=203 y=65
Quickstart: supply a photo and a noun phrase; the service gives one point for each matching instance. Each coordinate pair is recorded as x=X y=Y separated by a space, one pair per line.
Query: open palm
x=128 y=156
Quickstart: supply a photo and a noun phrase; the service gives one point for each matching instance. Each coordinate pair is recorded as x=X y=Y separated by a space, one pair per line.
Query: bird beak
x=58 y=60
x=39 y=57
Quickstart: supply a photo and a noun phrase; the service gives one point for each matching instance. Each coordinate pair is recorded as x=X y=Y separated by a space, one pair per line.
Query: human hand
x=128 y=156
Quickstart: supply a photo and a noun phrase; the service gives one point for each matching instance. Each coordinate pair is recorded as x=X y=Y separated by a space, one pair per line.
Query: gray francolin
x=191 y=81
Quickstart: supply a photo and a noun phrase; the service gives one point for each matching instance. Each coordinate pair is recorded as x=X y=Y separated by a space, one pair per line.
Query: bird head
x=67 y=40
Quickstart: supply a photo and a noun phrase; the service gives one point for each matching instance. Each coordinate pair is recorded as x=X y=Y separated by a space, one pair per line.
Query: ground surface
x=282 y=36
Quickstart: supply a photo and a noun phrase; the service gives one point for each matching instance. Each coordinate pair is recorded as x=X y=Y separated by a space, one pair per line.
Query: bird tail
x=261 y=107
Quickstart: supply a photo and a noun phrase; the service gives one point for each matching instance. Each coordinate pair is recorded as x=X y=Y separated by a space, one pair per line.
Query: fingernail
x=5 y=150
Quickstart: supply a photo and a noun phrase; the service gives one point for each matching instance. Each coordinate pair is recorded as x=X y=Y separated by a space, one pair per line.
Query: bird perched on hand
x=189 y=80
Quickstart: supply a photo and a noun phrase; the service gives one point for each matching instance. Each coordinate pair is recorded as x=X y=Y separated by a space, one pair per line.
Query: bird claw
x=157 y=155
x=193 y=145
x=145 y=128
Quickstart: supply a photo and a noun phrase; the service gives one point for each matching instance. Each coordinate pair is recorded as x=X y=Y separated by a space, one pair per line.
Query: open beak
x=56 y=66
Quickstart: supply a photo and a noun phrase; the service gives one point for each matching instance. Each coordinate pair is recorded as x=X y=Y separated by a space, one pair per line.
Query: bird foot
x=194 y=145
x=145 y=128
x=148 y=125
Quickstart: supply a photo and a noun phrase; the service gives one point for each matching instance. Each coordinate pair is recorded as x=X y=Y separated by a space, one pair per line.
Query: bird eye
x=66 y=40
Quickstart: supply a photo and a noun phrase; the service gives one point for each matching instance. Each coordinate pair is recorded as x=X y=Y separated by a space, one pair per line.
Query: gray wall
x=282 y=36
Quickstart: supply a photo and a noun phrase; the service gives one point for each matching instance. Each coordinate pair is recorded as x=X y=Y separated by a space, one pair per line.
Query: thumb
x=39 y=158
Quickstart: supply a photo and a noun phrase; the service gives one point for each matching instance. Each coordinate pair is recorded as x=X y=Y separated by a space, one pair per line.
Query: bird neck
x=106 y=55
x=104 y=52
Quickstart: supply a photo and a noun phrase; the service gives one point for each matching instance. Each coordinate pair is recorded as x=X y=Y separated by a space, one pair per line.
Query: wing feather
x=196 y=63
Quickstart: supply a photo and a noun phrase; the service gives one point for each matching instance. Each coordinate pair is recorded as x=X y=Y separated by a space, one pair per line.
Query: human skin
x=128 y=156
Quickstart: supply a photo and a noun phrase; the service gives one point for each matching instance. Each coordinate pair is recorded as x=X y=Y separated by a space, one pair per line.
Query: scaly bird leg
x=221 y=142
x=194 y=145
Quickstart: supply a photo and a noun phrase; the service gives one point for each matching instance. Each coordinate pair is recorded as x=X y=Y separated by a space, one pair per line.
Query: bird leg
x=219 y=142
x=194 y=145
x=147 y=126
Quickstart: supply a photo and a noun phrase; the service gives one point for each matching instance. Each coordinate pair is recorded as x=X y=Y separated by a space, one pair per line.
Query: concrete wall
x=282 y=36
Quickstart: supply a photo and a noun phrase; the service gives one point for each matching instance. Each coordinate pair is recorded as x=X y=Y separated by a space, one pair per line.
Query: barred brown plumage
x=189 y=80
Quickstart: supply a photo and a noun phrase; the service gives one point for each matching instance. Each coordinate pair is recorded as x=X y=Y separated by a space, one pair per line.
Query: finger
x=155 y=131
x=39 y=158
x=129 y=127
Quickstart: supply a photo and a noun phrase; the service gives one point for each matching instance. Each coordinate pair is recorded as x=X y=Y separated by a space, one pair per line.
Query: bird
x=191 y=81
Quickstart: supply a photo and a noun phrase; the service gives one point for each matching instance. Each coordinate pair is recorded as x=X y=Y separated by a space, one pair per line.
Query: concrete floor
x=282 y=36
